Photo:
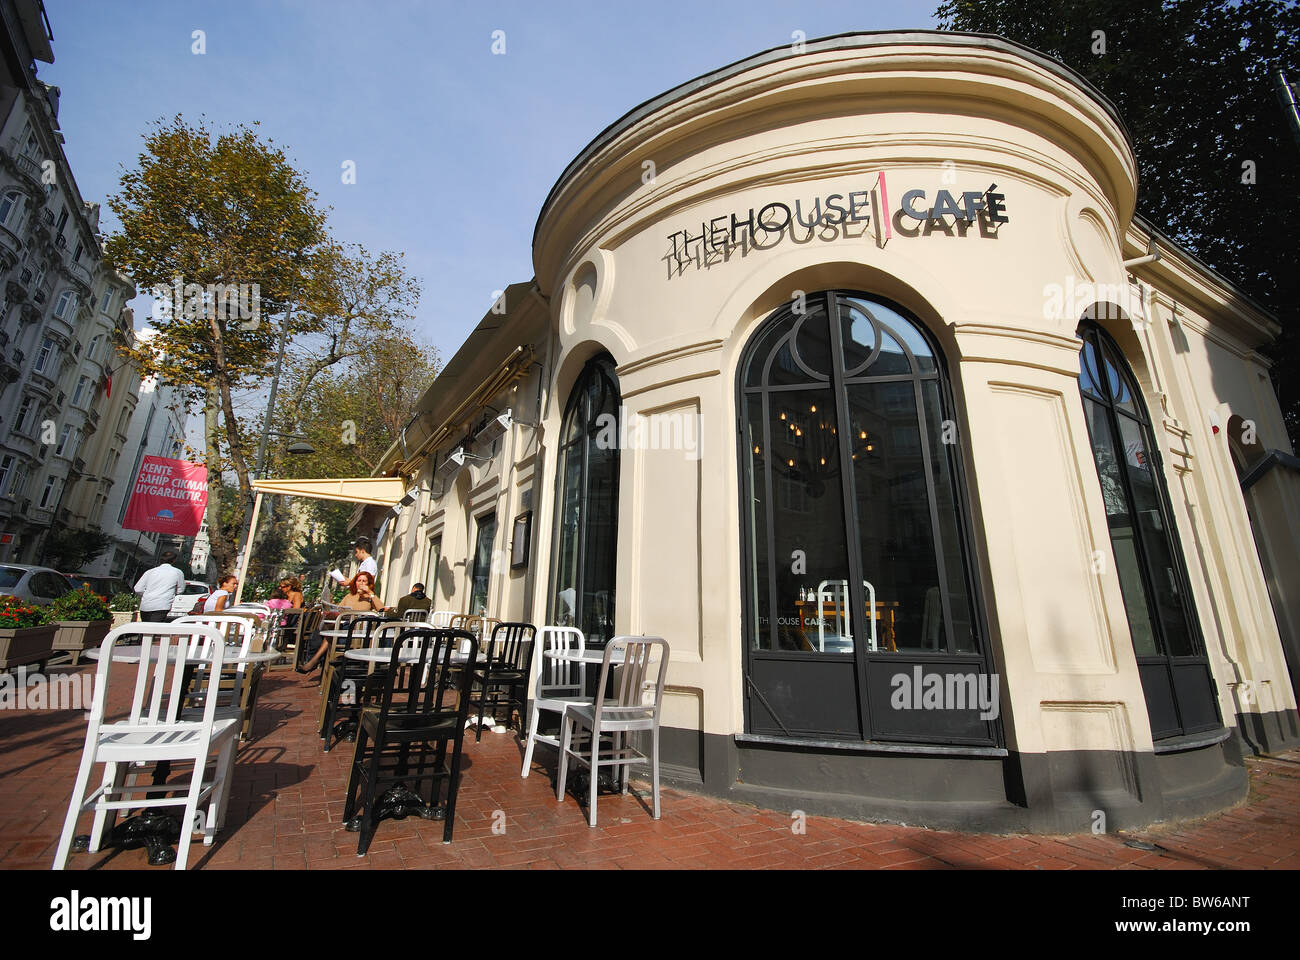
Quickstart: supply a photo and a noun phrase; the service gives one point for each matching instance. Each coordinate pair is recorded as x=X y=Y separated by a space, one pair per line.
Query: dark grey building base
x=981 y=789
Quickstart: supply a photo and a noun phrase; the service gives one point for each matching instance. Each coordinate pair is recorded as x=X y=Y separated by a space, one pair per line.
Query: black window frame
x=600 y=366
x=1106 y=348
x=839 y=382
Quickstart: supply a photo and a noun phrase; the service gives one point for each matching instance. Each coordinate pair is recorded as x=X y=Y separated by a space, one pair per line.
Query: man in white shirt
x=361 y=550
x=158 y=588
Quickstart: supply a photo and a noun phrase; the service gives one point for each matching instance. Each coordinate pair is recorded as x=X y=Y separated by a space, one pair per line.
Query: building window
x=106 y=302
x=1162 y=620
x=19 y=485
x=50 y=495
x=65 y=304
x=69 y=440
x=83 y=387
x=586 y=518
x=487 y=534
x=26 y=416
x=855 y=526
x=11 y=209
x=93 y=350
x=6 y=472
x=431 y=568
x=47 y=357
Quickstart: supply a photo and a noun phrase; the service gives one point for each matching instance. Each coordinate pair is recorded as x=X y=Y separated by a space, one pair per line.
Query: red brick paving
x=287 y=804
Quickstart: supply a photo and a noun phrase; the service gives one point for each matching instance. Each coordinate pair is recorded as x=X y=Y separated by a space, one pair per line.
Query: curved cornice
x=966 y=67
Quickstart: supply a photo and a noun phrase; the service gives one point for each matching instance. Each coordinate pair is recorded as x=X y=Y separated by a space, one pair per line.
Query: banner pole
x=248 y=547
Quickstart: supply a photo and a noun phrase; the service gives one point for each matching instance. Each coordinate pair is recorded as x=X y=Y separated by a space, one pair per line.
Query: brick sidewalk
x=287 y=805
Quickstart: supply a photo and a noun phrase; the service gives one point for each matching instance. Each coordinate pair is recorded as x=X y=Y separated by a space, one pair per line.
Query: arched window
x=856 y=544
x=586 y=498
x=1157 y=596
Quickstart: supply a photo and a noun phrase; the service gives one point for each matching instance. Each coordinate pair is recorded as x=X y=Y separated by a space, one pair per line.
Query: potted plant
x=83 y=620
x=123 y=607
x=25 y=634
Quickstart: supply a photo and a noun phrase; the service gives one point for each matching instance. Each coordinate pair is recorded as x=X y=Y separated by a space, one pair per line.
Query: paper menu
x=337 y=575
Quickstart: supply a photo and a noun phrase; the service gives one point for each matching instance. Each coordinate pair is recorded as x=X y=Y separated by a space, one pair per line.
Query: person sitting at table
x=292 y=588
x=417 y=599
x=219 y=599
x=362 y=597
x=279 y=600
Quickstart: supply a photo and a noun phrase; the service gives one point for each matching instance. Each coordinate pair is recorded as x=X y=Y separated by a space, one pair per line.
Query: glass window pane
x=1122 y=536
x=600 y=543
x=943 y=451
x=1169 y=602
x=487 y=532
x=1089 y=378
x=806 y=510
x=565 y=605
x=758 y=516
x=894 y=530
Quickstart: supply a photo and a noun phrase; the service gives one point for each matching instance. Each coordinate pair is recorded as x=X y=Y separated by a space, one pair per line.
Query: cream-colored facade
x=665 y=246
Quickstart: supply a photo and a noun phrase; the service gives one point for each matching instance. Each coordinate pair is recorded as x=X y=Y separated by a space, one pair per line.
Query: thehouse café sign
x=837 y=214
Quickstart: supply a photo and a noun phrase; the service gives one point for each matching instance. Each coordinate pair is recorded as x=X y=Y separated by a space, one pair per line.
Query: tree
x=353 y=416
x=213 y=219
x=1217 y=165
x=69 y=549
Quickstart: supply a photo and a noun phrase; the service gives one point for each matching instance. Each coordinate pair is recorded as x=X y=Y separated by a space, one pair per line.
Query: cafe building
x=960 y=493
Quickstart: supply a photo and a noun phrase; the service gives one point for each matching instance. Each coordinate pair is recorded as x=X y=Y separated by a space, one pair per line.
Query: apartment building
x=66 y=395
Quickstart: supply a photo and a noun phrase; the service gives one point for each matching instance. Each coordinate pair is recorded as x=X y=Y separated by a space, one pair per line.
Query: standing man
x=361 y=550
x=158 y=588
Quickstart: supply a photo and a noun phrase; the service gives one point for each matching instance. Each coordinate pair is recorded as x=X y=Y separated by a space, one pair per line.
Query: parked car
x=38 y=585
x=104 y=586
x=195 y=590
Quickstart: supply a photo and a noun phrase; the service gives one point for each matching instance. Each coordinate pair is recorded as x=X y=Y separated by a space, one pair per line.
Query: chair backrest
x=416 y=615
x=239 y=633
x=628 y=702
x=440 y=618
x=157 y=700
x=457 y=621
x=360 y=628
x=556 y=677
x=385 y=634
x=511 y=645
x=482 y=628
x=418 y=690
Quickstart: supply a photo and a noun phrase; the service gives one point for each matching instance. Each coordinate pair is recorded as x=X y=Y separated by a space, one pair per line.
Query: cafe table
x=156 y=829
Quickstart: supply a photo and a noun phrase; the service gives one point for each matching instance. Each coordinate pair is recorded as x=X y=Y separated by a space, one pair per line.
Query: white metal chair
x=830 y=591
x=412 y=616
x=155 y=731
x=441 y=619
x=626 y=713
x=559 y=682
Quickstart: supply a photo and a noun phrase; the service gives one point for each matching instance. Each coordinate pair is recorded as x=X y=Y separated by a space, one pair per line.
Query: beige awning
x=380 y=490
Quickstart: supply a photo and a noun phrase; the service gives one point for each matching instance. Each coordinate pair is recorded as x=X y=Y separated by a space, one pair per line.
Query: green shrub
x=81 y=604
x=124 y=602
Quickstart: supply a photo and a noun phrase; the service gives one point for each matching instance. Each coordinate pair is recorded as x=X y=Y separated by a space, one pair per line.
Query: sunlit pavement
x=287 y=805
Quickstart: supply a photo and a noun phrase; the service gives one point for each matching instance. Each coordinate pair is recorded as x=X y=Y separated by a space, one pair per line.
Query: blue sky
x=455 y=147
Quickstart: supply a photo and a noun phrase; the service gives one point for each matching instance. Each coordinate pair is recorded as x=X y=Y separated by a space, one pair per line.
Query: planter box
x=74 y=636
x=20 y=645
x=121 y=617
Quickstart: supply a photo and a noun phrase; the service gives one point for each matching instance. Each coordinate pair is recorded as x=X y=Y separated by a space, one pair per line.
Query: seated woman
x=279 y=600
x=292 y=588
x=361 y=596
x=221 y=597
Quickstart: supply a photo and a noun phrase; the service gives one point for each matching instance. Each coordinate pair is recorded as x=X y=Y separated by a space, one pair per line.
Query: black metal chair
x=504 y=671
x=351 y=684
x=403 y=740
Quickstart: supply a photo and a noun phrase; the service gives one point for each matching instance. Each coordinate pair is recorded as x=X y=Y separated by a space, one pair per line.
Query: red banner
x=169 y=496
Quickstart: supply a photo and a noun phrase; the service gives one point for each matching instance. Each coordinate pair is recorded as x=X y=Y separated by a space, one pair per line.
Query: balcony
x=79 y=274
x=11 y=247
x=23 y=164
